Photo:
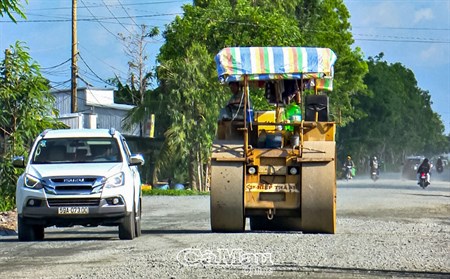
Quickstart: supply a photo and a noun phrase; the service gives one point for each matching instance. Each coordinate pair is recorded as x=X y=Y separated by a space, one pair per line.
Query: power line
x=94 y=18
x=112 y=67
x=52 y=67
x=403 y=41
x=113 y=5
x=59 y=83
x=121 y=5
x=115 y=17
x=88 y=74
x=55 y=72
x=398 y=39
x=100 y=22
x=83 y=80
x=81 y=57
x=403 y=28
x=65 y=19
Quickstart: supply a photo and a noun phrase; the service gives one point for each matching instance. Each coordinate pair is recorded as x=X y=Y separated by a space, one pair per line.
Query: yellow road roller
x=276 y=167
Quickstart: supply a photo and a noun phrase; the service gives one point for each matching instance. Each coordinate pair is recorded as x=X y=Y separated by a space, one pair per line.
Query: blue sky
x=415 y=33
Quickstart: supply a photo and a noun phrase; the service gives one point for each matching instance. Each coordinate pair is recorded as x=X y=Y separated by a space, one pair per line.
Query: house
x=96 y=109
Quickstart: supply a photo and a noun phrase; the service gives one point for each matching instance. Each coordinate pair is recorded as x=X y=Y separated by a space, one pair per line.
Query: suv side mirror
x=18 y=162
x=136 y=160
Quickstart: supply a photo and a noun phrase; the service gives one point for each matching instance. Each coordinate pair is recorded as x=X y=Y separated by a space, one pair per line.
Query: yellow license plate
x=73 y=210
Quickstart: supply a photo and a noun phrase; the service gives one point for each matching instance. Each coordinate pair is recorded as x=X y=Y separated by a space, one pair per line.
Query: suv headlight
x=116 y=180
x=32 y=182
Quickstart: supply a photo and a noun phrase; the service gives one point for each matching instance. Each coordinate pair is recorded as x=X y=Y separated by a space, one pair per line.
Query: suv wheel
x=29 y=232
x=127 y=228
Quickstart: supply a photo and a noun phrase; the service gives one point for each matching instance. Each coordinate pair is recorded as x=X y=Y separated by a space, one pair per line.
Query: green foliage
x=124 y=93
x=8 y=177
x=193 y=110
x=259 y=101
x=172 y=192
x=26 y=106
x=9 y=6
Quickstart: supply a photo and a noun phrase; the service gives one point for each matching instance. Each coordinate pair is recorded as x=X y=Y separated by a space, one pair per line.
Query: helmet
x=374 y=157
x=348 y=157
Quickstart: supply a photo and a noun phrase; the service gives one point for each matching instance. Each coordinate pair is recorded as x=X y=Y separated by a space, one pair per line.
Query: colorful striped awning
x=268 y=63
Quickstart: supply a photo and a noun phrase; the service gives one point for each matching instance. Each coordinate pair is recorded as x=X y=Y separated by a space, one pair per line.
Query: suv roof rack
x=112 y=131
x=44 y=132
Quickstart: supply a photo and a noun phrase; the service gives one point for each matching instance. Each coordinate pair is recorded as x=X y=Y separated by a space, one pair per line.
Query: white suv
x=79 y=177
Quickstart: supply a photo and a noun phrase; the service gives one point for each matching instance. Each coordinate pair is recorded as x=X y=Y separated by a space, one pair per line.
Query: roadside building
x=96 y=109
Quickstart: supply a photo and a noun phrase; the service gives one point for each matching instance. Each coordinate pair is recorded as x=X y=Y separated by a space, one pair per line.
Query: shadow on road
x=175 y=231
x=71 y=235
x=357 y=272
x=430 y=195
x=430 y=188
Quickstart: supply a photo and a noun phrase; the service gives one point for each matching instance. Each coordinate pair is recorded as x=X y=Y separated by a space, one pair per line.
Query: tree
x=140 y=78
x=27 y=108
x=192 y=110
x=135 y=89
x=9 y=6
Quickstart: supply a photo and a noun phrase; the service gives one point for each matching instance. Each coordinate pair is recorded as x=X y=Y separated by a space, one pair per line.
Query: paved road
x=390 y=228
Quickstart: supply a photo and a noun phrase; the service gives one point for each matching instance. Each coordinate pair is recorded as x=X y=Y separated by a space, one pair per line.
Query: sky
x=415 y=33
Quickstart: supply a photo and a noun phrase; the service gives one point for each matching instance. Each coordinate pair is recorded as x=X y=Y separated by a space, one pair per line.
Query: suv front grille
x=78 y=179
x=73 y=185
x=73 y=202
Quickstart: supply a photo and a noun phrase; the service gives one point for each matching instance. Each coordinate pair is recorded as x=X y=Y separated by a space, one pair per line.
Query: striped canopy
x=269 y=63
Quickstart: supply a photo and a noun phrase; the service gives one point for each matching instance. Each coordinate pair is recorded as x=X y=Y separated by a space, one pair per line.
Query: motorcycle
x=423 y=180
x=439 y=168
x=374 y=175
x=348 y=172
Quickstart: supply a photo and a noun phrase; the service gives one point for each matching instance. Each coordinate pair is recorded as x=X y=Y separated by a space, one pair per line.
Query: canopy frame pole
x=316 y=92
x=245 y=115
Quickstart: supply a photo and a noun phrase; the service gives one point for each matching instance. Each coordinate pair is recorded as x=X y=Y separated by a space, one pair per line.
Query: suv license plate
x=73 y=210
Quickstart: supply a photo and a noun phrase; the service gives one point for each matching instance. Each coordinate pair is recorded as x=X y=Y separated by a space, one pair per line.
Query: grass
x=172 y=192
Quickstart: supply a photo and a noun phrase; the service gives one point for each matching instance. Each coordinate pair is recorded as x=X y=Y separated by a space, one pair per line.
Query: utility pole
x=74 y=107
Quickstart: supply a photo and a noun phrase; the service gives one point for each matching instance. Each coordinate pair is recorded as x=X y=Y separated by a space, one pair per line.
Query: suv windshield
x=81 y=150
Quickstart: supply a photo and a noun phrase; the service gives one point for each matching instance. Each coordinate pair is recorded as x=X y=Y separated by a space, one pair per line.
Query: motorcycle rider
x=374 y=165
x=349 y=165
x=439 y=165
x=424 y=167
